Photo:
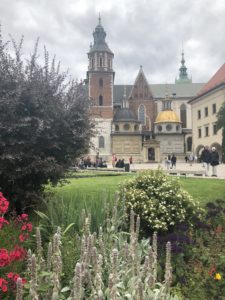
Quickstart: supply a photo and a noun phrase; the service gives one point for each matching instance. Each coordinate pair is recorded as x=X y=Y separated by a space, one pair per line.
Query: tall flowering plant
x=14 y=232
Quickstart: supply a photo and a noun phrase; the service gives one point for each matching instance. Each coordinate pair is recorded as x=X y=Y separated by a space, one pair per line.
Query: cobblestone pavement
x=182 y=167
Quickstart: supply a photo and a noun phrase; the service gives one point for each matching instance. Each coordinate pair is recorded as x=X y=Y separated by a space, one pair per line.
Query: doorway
x=151 y=154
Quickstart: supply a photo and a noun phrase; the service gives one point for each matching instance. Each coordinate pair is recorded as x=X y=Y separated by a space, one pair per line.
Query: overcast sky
x=139 y=32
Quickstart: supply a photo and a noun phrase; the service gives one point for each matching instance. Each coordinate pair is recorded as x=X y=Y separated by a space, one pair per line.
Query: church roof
x=217 y=79
x=181 y=90
x=125 y=115
x=167 y=116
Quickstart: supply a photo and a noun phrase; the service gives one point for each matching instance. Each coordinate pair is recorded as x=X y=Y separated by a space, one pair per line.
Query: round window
x=169 y=127
x=159 y=127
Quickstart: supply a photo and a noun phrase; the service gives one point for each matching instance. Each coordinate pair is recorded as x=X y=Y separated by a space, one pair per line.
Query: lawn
x=202 y=189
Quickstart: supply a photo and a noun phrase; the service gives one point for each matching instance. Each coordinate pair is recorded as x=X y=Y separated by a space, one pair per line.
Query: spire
x=125 y=101
x=183 y=76
x=99 y=35
x=167 y=101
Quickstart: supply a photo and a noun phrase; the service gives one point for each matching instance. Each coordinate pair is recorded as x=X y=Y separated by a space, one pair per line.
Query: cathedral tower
x=100 y=74
x=100 y=79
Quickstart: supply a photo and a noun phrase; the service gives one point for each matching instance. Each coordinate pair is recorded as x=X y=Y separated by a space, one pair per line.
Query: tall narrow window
x=100 y=82
x=101 y=142
x=206 y=131
x=183 y=115
x=214 y=108
x=199 y=114
x=141 y=114
x=189 y=143
x=199 y=132
x=214 y=128
x=92 y=63
x=100 y=62
x=100 y=100
x=206 y=112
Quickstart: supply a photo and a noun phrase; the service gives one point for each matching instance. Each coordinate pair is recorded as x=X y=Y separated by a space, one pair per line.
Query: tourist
x=214 y=161
x=206 y=159
x=173 y=161
x=168 y=162
x=130 y=160
x=191 y=158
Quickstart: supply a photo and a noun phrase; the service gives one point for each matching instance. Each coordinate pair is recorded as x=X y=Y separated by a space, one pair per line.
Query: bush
x=159 y=200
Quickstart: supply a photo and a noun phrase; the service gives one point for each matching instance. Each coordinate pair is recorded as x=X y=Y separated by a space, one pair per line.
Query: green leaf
x=42 y=215
x=68 y=228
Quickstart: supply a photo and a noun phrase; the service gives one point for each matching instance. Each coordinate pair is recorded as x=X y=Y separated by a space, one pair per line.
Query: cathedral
x=144 y=121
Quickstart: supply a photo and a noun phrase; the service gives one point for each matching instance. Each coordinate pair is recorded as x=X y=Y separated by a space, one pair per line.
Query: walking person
x=168 y=162
x=214 y=161
x=191 y=159
x=173 y=161
x=206 y=159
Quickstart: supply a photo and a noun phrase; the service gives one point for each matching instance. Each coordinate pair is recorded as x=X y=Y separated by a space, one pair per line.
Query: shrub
x=159 y=200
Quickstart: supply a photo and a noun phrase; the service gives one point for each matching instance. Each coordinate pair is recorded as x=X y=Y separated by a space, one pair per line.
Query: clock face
x=169 y=127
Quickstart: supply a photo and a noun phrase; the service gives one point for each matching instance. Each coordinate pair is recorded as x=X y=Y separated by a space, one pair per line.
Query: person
x=206 y=159
x=214 y=161
x=130 y=160
x=191 y=159
x=114 y=160
x=186 y=159
x=168 y=162
x=173 y=161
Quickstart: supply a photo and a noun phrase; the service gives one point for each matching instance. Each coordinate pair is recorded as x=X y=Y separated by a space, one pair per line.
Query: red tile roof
x=217 y=79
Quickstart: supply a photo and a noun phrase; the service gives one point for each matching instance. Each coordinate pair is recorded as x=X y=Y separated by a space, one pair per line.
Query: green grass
x=201 y=189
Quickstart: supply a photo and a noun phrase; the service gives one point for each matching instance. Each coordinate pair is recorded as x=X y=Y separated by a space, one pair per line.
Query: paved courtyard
x=182 y=167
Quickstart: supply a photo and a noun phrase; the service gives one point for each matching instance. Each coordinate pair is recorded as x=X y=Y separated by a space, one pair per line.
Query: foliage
x=112 y=265
x=14 y=234
x=159 y=200
x=198 y=255
x=221 y=124
x=44 y=123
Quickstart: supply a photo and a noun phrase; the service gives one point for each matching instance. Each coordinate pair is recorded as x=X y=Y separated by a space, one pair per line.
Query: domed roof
x=125 y=115
x=167 y=116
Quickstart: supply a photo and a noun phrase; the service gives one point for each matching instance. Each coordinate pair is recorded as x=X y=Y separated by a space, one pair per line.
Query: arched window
x=100 y=100
x=100 y=82
x=141 y=114
x=101 y=142
x=183 y=115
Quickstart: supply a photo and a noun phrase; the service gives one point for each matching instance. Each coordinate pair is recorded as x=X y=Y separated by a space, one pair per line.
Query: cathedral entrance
x=151 y=154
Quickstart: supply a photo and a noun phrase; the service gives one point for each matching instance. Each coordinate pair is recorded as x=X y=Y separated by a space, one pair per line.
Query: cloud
x=147 y=33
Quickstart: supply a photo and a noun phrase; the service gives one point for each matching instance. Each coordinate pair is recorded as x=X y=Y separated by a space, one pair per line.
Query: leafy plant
x=159 y=200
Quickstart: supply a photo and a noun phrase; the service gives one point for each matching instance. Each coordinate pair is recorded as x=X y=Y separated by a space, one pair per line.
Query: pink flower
x=3 y=285
x=2 y=222
x=4 y=257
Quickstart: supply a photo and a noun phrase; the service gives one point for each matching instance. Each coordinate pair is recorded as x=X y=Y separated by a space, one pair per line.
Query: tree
x=221 y=125
x=44 y=123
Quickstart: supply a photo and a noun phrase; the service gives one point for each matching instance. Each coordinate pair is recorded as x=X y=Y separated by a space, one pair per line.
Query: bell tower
x=100 y=75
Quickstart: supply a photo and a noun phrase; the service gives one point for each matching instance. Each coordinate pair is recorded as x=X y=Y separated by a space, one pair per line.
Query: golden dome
x=167 y=116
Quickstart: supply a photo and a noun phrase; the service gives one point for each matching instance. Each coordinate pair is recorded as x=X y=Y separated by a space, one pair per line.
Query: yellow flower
x=218 y=276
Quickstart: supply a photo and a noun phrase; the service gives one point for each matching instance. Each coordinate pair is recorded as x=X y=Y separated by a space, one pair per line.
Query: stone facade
x=144 y=102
